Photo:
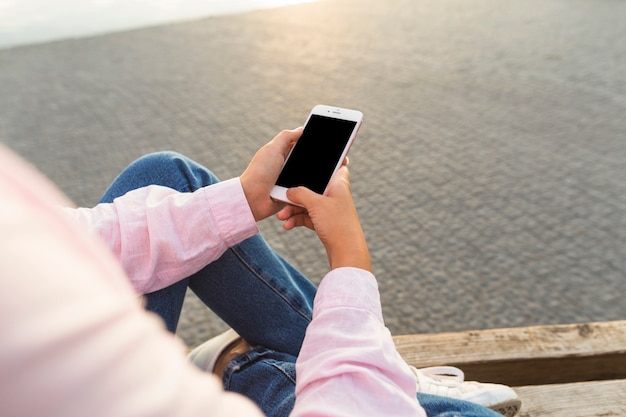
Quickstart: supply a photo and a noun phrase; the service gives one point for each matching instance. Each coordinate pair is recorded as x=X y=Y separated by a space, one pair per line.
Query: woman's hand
x=334 y=218
x=261 y=174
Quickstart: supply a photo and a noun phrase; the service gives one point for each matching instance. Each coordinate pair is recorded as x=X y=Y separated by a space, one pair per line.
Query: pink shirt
x=75 y=340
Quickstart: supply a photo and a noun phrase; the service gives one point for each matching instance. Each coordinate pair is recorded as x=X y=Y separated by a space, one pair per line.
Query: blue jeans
x=256 y=292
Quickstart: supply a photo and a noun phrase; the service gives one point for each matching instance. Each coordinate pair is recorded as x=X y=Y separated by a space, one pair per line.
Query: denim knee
x=174 y=170
x=167 y=169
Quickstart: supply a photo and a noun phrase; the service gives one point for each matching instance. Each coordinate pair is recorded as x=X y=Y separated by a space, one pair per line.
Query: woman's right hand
x=334 y=218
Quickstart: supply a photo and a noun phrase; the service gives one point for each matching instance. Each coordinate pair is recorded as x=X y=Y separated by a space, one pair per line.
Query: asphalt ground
x=489 y=174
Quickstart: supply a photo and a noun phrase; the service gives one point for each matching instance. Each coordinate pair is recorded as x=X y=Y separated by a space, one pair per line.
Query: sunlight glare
x=30 y=21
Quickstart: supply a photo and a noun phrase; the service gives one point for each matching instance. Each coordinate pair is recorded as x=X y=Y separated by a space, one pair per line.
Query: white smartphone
x=318 y=154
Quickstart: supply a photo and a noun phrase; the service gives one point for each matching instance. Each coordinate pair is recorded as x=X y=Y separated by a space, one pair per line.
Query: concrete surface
x=490 y=172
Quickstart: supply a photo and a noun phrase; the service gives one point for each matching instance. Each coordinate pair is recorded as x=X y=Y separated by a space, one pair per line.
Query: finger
x=344 y=172
x=345 y=162
x=340 y=183
x=341 y=176
x=298 y=221
x=288 y=211
x=285 y=140
x=284 y=213
x=302 y=196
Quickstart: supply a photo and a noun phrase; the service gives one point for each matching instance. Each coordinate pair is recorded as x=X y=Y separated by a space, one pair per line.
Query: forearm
x=349 y=250
x=161 y=236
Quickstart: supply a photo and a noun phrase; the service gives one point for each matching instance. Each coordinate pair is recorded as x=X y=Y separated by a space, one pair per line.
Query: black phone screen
x=317 y=153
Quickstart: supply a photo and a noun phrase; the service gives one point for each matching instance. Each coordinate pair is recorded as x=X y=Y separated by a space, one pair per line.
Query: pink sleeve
x=161 y=236
x=75 y=340
x=348 y=364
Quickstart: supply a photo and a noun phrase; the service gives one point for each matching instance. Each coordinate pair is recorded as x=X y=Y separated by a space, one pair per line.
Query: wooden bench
x=571 y=370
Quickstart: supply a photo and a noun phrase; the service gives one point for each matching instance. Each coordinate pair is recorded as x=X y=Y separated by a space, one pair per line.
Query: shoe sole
x=507 y=408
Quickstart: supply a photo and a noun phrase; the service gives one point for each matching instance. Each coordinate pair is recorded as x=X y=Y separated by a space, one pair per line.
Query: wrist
x=259 y=201
x=353 y=254
x=247 y=192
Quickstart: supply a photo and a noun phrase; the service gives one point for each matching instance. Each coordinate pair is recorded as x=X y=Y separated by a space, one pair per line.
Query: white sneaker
x=448 y=381
x=205 y=355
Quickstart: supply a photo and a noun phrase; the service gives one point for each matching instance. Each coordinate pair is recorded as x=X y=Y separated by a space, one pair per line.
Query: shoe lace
x=449 y=381
x=437 y=378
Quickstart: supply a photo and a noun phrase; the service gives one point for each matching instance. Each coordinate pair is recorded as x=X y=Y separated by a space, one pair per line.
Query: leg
x=251 y=287
x=259 y=295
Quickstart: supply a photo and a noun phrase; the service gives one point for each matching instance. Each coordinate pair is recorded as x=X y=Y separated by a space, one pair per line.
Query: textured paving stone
x=490 y=172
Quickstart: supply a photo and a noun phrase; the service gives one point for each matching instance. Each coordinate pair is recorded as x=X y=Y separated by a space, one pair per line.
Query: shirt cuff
x=349 y=288
x=230 y=209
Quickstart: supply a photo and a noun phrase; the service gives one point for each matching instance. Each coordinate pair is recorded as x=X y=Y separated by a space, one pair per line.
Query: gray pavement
x=490 y=172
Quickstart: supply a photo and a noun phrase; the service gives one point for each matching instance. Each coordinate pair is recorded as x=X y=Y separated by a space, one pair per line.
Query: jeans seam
x=262 y=279
x=249 y=358
x=281 y=370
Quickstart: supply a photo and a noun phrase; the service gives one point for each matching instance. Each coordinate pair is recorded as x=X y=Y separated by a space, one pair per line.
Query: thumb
x=302 y=196
x=286 y=139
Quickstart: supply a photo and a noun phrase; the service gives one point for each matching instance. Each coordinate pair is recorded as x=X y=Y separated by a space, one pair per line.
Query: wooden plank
x=581 y=399
x=525 y=355
x=547 y=371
